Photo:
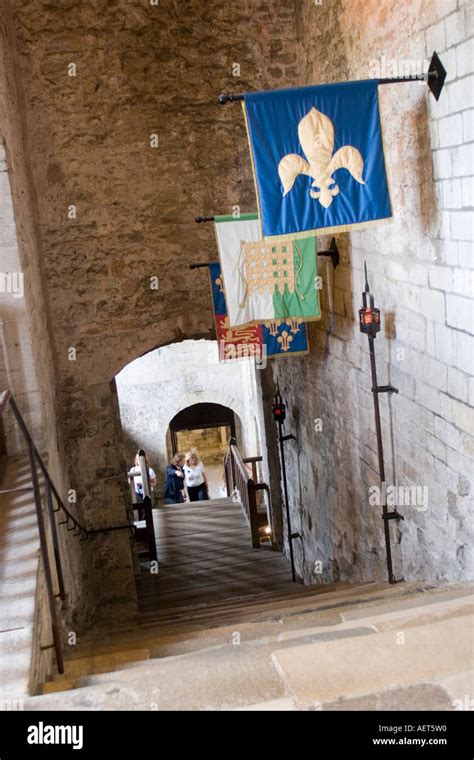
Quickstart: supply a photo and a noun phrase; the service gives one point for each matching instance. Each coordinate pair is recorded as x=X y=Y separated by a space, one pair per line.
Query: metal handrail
x=6 y=399
x=73 y=525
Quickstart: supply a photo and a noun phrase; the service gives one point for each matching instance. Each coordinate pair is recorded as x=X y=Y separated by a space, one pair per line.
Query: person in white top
x=195 y=477
x=137 y=480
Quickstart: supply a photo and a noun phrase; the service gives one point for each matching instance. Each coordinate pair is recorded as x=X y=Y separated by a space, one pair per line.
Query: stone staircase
x=223 y=627
x=19 y=567
x=364 y=646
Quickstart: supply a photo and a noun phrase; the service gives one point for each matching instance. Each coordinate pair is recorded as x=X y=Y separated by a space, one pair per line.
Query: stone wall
x=420 y=269
x=28 y=366
x=155 y=387
x=105 y=83
x=208 y=441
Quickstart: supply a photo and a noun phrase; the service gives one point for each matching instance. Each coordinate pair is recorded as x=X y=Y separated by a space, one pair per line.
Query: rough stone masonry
x=421 y=271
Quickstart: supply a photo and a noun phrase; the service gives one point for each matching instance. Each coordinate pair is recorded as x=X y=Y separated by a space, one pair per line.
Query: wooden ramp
x=205 y=556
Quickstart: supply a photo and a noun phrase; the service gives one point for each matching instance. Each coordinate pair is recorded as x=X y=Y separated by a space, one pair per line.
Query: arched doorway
x=208 y=427
x=202 y=416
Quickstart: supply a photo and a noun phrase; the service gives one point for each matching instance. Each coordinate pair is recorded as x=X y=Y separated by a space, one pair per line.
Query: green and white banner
x=265 y=280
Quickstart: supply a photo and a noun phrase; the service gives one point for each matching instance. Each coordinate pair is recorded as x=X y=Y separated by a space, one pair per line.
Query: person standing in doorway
x=195 y=477
x=174 y=481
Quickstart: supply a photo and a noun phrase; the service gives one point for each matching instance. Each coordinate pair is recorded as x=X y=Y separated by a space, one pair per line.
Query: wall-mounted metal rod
x=434 y=78
x=108 y=530
x=55 y=540
x=332 y=253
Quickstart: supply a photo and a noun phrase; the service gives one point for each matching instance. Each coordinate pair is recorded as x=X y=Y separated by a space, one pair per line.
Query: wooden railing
x=239 y=482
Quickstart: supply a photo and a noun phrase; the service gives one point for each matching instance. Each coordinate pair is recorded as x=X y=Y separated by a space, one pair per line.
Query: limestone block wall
x=155 y=387
x=421 y=271
x=211 y=441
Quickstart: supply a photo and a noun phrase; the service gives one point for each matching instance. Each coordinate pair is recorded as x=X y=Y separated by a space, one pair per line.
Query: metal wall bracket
x=332 y=252
x=384 y=389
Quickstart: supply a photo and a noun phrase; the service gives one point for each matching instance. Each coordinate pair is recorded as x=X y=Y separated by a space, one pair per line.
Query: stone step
x=158 y=646
x=110 y=640
x=75 y=669
x=104 y=656
x=189 y=507
x=336 y=666
x=268 y=603
x=19 y=550
x=387 y=617
x=280 y=606
x=325 y=672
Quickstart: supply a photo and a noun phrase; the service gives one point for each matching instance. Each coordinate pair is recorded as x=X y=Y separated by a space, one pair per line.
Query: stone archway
x=154 y=388
x=202 y=416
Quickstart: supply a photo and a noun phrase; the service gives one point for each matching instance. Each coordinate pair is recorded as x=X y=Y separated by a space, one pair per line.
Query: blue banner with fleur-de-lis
x=317 y=156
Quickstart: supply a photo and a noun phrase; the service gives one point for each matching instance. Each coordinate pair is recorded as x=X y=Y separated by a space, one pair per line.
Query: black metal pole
x=279 y=413
x=378 y=430
x=369 y=322
x=434 y=78
x=54 y=536
x=287 y=506
x=222 y=99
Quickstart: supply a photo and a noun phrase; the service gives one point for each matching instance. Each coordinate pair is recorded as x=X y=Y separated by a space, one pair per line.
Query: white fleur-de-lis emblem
x=316 y=135
x=284 y=340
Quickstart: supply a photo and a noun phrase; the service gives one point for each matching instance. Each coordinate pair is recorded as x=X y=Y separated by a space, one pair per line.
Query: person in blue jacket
x=174 y=481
